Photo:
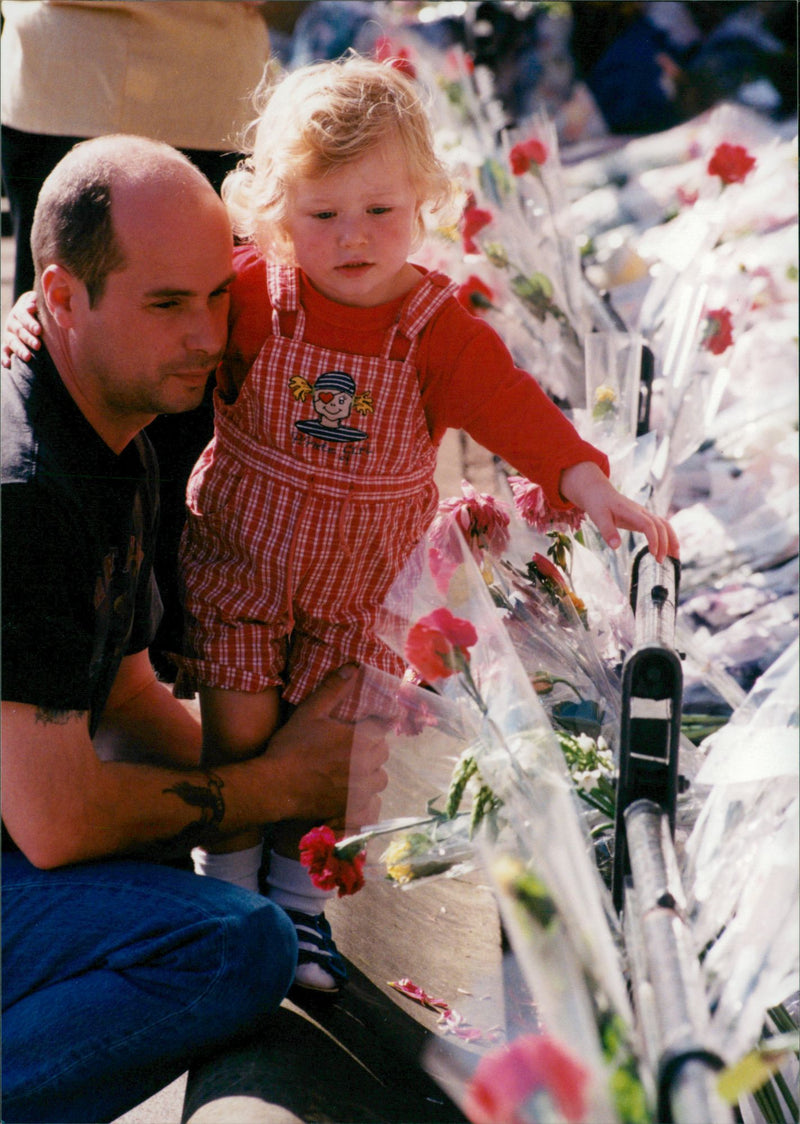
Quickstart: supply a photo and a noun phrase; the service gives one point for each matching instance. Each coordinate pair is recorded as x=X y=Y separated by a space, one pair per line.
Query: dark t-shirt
x=78 y=531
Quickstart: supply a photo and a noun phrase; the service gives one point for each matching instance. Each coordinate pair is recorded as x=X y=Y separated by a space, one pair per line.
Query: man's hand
x=22 y=333
x=330 y=768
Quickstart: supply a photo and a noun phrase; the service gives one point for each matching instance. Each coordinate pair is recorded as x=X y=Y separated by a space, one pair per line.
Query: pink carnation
x=506 y=1078
x=481 y=519
x=533 y=506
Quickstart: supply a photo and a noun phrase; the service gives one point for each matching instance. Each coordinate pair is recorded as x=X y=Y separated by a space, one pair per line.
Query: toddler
x=345 y=366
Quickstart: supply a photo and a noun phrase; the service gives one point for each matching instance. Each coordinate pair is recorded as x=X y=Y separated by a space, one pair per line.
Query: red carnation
x=474 y=219
x=328 y=868
x=436 y=646
x=718 y=335
x=731 y=162
x=400 y=59
x=527 y=154
x=475 y=295
x=545 y=569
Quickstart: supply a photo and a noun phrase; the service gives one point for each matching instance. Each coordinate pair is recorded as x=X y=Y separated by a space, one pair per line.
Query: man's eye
x=165 y=304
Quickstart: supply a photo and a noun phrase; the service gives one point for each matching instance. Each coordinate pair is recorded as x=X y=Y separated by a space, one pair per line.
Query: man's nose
x=208 y=331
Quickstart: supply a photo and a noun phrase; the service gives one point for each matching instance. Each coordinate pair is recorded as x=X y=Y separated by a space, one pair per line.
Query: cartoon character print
x=333 y=397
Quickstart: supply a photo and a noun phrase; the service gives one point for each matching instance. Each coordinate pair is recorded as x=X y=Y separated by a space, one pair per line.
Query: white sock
x=289 y=885
x=237 y=867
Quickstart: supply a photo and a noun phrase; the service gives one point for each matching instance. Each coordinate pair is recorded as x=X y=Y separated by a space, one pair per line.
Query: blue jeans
x=118 y=975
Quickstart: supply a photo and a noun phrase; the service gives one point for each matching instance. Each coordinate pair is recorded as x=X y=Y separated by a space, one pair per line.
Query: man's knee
x=260 y=957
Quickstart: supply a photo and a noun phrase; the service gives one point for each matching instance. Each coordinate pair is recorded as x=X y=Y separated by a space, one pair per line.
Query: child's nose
x=352 y=233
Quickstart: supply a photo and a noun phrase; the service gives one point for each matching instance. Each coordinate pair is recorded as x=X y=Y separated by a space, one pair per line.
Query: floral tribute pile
x=514 y=619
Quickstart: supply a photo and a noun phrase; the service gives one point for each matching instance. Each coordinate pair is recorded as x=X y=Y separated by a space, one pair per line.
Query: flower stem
x=558 y=679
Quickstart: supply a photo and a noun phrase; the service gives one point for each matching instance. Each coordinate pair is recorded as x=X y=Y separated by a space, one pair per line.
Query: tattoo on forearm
x=208 y=800
x=211 y=804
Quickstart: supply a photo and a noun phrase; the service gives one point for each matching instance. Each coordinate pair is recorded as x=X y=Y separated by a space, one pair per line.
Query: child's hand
x=588 y=488
x=22 y=332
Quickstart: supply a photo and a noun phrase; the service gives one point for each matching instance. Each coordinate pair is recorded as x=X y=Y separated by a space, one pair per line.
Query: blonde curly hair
x=319 y=118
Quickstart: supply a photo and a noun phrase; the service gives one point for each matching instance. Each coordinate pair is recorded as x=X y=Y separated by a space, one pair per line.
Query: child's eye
x=379 y=210
x=324 y=214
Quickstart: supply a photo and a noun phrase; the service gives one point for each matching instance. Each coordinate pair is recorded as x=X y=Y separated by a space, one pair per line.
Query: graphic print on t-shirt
x=333 y=397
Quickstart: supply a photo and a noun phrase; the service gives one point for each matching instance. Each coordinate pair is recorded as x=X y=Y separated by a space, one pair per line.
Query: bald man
x=119 y=970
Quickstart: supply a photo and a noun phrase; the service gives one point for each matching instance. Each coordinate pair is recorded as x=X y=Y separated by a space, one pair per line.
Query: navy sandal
x=320 y=966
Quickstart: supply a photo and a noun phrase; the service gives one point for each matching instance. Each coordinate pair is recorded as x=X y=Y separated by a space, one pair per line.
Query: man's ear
x=59 y=289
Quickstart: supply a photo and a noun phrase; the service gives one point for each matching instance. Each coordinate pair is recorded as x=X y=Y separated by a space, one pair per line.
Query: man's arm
x=63 y=804
x=144 y=722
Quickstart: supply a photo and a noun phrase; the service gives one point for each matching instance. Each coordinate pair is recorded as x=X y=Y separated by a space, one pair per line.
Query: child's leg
x=320 y=966
x=236 y=725
x=288 y=883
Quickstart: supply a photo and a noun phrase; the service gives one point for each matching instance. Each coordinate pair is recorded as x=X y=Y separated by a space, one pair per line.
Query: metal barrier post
x=652 y=692
x=668 y=992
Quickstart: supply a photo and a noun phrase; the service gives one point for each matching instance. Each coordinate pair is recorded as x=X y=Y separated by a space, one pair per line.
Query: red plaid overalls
x=303 y=508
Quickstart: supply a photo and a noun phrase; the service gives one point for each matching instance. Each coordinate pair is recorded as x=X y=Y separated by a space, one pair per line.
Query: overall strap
x=418 y=310
x=283 y=287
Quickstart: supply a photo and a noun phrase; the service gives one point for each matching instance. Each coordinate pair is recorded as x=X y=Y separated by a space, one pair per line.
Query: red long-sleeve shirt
x=467 y=376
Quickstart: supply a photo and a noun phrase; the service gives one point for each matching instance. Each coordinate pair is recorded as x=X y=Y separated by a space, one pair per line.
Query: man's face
x=160 y=327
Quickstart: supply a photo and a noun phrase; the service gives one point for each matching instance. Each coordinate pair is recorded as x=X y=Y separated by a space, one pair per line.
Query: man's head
x=73 y=225
x=132 y=250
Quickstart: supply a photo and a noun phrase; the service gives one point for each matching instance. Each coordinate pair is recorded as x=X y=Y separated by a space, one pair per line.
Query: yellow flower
x=604 y=394
x=605 y=402
x=580 y=606
x=394 y=856
x=400 y=873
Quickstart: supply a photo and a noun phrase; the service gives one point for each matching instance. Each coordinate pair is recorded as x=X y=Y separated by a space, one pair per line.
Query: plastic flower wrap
x=549 y=627
x=429 y=739
x=454 y=634
x=741 y=862
x=566 y=646
x=613 y=375
x=533 y=159
x=752 y=768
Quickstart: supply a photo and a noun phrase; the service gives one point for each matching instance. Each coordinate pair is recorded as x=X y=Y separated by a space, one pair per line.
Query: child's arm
x=470 y=381
x=588 y=488
x=22 y=331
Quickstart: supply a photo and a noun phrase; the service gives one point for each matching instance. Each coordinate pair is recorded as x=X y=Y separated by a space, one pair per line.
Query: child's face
x=352 y=229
